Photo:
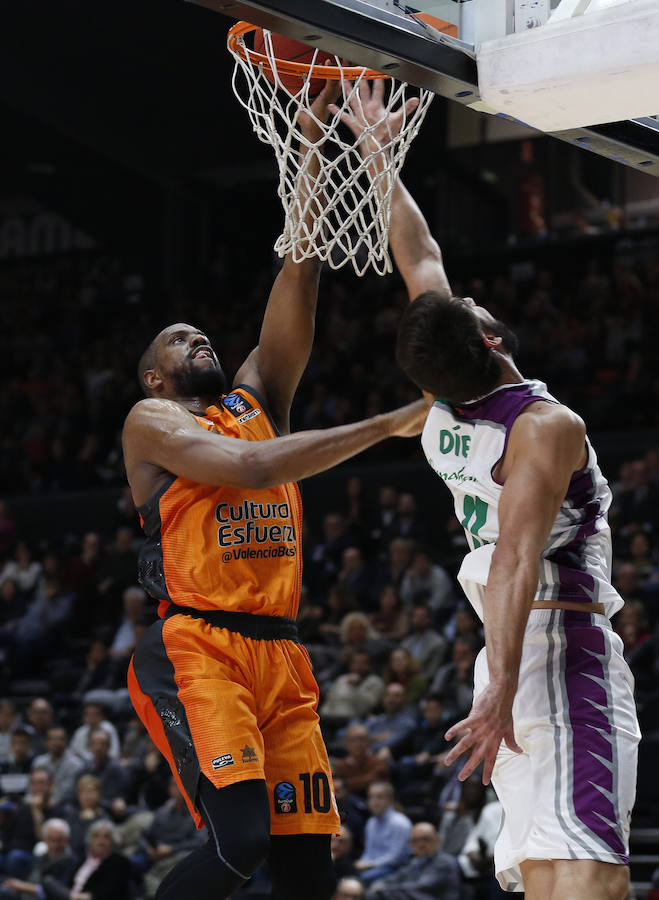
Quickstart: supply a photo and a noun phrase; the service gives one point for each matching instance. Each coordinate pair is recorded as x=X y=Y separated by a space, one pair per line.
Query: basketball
x=294 y=51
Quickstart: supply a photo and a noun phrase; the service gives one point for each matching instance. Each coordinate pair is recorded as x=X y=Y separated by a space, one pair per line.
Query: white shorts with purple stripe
x=570 y=794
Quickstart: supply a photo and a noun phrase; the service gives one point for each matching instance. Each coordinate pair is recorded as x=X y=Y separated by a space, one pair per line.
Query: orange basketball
x=286 y=48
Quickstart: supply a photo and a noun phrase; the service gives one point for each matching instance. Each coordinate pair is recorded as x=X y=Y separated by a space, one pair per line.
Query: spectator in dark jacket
x=104 y=875
x=430 y=875
x=57 y=862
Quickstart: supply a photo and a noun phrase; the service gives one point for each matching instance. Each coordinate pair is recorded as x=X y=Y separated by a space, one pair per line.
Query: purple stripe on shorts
x=592 y=749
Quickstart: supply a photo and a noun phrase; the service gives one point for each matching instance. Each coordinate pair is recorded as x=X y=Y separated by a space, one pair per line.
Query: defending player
x=221 y=680
x=553 y=718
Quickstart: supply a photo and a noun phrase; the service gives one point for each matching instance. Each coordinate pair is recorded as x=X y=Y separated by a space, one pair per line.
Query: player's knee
x=244 y=853
x=238 y=822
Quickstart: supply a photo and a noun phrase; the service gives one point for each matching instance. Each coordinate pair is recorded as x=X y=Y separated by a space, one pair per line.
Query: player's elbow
x=256 y=469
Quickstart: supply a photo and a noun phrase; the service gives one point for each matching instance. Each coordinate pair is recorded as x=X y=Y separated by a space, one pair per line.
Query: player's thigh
x=191 y=686
x=297 y=768
x=574 y=879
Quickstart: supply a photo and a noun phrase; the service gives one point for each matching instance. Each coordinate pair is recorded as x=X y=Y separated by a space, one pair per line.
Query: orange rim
x=288 y=67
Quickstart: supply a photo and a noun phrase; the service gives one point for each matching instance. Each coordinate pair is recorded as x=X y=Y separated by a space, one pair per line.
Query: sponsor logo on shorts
x=249 y=754
x=236 y=404
x=285 y=801
x=169 y=717
x=221 y=761
x=250 y=415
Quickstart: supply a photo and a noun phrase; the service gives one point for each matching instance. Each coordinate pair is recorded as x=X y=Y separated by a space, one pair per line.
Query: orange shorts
x=236 y=708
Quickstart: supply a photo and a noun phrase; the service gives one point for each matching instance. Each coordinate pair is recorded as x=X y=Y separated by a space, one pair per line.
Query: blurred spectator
x=426 y=582
x=477 y=857
x=386 y=836
x=404 y=670
x=171 y=835
x=22 y=569
x=399 y=557
x=84 y=811
x=8 y=722
x=393 y=726
x=417 y=758
x=408 y=523
x=455 y=679
x=104 y=875
x=430 y=875
x=19 y=760
x=117 y=570
x=353 y=810
x=355 y=694
x=56 y=862
x=360 y=767
x=39 y=719
x=390 y=620
x=425 y=644
x=325 y=563
x=64 y=766
x=341 y=848
x=24 y=828
x=93 y=716
x=81 y=576
x=99 y=672
x=111 y=774
x=356 y=576
x=124 y=640
x=383 y=529
x=458 y=819
x=42 y=624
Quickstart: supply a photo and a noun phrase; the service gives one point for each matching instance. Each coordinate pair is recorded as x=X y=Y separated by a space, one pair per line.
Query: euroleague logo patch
x=236 y=404
x=285 y=800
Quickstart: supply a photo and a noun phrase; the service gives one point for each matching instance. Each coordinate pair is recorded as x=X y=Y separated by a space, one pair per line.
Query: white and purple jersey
x=464 y=445
x=574 y=714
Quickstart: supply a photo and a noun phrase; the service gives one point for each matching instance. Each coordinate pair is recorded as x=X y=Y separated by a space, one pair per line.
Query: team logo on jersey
x=220 y=762
x=236 y=404
x=249 y=754
x=285 y=801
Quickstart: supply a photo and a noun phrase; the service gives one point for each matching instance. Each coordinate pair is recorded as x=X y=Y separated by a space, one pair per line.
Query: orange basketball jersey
x=225 y=548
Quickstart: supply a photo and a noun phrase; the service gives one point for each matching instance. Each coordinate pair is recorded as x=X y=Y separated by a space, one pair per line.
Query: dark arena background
x=133 y=194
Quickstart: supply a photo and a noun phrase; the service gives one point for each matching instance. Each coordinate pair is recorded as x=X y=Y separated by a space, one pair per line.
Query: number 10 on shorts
x=317 y=793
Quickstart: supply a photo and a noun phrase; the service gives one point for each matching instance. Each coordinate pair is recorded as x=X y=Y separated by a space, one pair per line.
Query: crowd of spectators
x=585 y=325
x=393 y=645
x=88 y=809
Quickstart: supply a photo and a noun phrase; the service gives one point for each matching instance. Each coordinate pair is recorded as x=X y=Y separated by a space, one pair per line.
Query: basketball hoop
x=355 y=183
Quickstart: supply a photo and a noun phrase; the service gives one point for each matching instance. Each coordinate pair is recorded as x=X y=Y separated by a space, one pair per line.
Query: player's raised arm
x=545 y=448
x=275 y=367
x=162 y=435
x=416 y=253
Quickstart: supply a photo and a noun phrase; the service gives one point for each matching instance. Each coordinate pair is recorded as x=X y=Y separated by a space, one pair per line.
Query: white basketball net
x=344 y=213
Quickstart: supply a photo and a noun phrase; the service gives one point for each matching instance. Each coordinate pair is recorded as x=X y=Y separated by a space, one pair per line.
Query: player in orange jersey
x=221 y=680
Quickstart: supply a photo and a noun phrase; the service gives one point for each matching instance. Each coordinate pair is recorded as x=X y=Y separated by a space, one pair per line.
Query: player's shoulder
x=547 y=417
x=154 y=412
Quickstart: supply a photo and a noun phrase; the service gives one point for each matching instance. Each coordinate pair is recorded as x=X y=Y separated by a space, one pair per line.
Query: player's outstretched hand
x=320 y=110
x=489 y=722
x=408 y=421
x=366 y=108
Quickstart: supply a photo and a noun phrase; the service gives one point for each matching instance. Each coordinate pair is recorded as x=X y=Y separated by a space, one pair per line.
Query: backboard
x=496 y=56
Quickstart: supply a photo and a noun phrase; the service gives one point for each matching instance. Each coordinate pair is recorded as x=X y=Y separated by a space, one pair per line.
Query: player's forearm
x=306 y=453
x=510 y=590
x=417 y=254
